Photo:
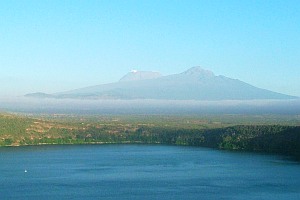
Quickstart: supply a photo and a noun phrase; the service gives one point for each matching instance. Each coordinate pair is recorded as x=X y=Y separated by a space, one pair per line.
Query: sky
x=57 y=45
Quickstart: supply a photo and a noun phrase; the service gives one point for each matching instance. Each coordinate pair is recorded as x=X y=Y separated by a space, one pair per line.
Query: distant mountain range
x=194 y=84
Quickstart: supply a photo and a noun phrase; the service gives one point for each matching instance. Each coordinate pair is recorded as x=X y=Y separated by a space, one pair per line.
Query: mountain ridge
x=195 y=83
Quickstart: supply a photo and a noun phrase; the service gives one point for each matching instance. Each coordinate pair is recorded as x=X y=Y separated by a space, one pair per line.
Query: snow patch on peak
x=136 y=75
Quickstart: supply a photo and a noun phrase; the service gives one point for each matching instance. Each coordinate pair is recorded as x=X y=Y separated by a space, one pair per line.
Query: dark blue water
x=144 y=172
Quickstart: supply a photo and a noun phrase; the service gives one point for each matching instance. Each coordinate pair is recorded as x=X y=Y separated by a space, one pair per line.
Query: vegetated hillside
x=193 y=84
x=193 y=131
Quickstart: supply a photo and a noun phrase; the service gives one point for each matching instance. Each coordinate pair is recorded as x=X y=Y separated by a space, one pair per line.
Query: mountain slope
x=193 y=84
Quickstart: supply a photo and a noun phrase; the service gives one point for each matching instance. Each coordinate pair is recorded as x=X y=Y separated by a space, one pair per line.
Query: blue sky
x=57 y=45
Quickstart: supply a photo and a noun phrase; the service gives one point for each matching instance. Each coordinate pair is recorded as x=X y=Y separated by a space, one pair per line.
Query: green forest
x=269 y=134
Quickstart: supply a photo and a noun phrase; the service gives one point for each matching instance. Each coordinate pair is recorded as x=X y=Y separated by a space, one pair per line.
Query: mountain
x=194 y=84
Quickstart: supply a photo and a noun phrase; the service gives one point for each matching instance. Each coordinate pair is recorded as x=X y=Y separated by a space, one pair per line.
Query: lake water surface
x=144 y=172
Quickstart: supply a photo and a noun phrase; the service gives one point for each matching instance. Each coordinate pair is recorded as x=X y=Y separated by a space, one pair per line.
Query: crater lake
x=144 y=172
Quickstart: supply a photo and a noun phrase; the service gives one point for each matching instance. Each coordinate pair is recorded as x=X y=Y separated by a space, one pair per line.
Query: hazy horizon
x=149 y=106
x=56 y=46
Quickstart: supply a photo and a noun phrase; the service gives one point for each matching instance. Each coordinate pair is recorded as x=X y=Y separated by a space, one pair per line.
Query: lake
x=144 y=172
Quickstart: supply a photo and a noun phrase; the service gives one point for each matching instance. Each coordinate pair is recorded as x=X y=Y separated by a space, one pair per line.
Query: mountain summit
x=193 y=84
x=135 y=75
x=199 y=72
